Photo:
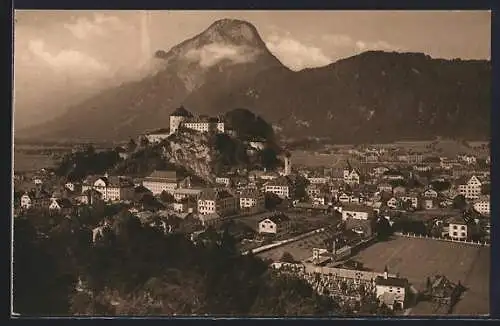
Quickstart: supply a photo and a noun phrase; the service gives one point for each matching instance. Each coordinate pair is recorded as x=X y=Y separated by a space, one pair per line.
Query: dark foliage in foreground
x=138 y=270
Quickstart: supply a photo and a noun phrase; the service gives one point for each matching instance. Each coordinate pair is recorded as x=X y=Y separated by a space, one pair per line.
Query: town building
x=358 y=212
x=384 y=186
x=412 y=199
x=393 y=203
x=313 y=190
x=112 y=188
x=399 y=191
x=61 y=205
x=215 y=201
x=352 y=177
x=275 y=224
x=192 y=193
x=317 y=180
x=182 y=117
x=185 y=205
x=457 y=228
x=472 y=189
x=160 y=181
x=157 y=136
x=482 y=205
x=35 y=199
x=430 y=193
x=280 y=187
x=252 y=201
x=428 y=203
x=223 y=180
x=391 y=290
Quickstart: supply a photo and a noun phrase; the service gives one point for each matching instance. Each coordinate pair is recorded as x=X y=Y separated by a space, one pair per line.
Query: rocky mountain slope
x=374 y=96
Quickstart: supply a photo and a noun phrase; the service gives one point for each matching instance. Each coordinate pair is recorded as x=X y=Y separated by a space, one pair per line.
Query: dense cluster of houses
x=351 y=285
x=356 y=193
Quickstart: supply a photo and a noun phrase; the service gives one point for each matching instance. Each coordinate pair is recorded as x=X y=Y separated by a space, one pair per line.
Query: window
x=463 y=227
x=454 y=233
x=463 y=234
x=454 y=227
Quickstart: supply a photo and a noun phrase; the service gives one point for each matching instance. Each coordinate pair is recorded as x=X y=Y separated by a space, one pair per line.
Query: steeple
x=386 y=272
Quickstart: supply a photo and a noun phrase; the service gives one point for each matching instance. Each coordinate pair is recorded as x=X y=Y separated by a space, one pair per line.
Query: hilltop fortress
x=183 y=118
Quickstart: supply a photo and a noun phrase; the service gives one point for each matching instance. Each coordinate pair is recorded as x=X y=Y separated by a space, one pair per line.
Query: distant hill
x=371 y=97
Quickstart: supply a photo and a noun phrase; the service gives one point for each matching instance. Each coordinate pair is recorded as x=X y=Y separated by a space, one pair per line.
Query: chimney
x=386 y=272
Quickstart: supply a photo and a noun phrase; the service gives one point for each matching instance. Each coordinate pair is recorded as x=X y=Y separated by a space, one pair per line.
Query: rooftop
x=391 y=281
x=181 y=112
x=163 y=175
x=279 y=218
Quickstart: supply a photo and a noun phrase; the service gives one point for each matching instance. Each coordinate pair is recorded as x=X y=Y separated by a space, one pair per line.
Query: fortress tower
x=288 y=164
x=177 y=117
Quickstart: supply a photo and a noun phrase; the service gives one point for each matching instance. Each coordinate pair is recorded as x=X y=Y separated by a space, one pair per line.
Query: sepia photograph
x=251 y=163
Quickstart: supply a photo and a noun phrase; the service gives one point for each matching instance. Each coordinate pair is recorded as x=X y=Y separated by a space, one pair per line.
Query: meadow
x=417 y=259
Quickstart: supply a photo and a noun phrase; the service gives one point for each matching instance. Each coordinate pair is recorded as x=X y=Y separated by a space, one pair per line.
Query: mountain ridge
x=374 y=95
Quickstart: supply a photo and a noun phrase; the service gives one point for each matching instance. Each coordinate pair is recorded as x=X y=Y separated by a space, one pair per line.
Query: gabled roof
x=64 y=203
x=357 y=208
x=251 y=193
x=163 y=175
x=214 y=194
x=278 y=218
x=281 y=181
x=391 y=281
x=456 y=220
x=38 y=194
x=181 y=112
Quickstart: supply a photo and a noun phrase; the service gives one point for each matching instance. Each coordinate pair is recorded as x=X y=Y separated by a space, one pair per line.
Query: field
x=300 y=250
x=308 y=158
x=30 y=162
x=416 y=259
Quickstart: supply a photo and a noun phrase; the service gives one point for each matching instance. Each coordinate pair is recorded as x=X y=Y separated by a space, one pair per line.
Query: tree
x=440 y=186
x=131 y=146
x=383 y=229
x=272 y=201
x=459 y=202
x=144 y=142
x=167 y=197
x=287 y=258
x=300 y=184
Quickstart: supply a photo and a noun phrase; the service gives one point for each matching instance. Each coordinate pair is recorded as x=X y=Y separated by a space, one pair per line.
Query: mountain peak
x=233 y=31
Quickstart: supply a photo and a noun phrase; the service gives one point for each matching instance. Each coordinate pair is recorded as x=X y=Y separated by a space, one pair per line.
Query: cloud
x=338 y=40
x=379 y=45
x=99 y=25
x=211 y=54
x=296 y=55
x=65 y=59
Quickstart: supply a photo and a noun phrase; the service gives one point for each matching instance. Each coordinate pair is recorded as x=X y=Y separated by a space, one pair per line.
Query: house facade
x=391 y=291
x=252 y=200
x=357 y=212
x=160 y=181
x=279 y=187
x=219 y=202
x=112 y=188
x=275 y=224
x=482 y=206
x=35 y=199
x=457 y=229
x=472 y=189
x=352 y=177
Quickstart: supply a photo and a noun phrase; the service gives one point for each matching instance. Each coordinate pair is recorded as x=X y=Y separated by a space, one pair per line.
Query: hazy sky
x=59 y=50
